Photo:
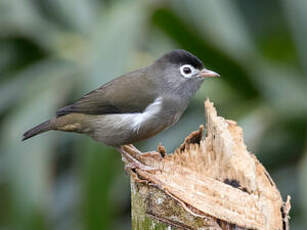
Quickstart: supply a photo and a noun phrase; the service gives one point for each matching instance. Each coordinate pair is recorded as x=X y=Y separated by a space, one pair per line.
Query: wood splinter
x=213 y=183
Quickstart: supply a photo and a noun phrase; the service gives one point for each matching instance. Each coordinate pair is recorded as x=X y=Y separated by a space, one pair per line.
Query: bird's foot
x=133 y=159
x=137 y=165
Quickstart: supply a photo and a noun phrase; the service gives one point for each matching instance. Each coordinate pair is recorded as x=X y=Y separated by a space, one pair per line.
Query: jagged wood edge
x=193 y=138
x=141 y=176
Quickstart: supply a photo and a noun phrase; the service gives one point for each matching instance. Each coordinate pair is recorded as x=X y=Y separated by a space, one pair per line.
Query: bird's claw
x=132 y=161
x=138 y=165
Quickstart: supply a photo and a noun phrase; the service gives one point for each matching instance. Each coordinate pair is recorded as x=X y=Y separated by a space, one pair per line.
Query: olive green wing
x=126 y=94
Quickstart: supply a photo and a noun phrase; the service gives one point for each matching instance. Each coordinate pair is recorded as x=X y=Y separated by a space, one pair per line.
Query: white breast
x=131 y=121
x=118 y=129
x=150 y=112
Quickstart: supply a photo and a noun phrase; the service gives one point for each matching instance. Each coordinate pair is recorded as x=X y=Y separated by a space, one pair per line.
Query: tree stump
x=213 y=183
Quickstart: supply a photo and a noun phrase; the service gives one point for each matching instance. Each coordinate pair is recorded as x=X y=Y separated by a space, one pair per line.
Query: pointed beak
x=208 y=73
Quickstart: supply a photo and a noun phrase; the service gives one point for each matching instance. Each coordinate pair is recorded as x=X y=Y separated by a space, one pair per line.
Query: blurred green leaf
x=183 y=34
x=303 y=185
x=283 y=88
x=101 y=167
x=22 y=18
x=28 y=163
x=220 y=23
x=78 y=15
x=34 y=76
x=111 y=57
x=296 y=13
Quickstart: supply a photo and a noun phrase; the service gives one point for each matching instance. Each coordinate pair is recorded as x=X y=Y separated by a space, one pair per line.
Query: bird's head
x=184 y=64
x=181 y=70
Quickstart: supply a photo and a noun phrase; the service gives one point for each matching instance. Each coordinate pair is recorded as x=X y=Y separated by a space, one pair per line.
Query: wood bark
x=210 y=183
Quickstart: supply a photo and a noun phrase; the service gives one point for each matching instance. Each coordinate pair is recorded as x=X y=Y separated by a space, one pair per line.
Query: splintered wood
x=213 y=183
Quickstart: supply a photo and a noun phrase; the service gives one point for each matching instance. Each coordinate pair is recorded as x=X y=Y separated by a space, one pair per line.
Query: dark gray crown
x=182 y=57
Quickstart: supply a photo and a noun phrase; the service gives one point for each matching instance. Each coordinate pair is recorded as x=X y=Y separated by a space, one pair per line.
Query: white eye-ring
x=187 y=70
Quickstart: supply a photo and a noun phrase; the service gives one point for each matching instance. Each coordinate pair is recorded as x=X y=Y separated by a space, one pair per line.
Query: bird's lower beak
x=208 y=73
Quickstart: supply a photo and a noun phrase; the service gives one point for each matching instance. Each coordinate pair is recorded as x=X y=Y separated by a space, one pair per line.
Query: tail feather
x=43 y=127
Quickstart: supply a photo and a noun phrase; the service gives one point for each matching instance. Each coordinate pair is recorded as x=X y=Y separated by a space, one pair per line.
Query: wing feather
x=125 y=94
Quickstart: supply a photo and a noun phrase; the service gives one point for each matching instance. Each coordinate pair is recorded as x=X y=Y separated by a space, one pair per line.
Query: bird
x=134 y=106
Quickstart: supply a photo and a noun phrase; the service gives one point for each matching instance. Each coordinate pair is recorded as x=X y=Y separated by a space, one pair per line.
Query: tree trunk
x=213 y=183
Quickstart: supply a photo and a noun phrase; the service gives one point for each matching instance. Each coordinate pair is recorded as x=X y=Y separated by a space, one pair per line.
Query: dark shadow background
x=54 y=51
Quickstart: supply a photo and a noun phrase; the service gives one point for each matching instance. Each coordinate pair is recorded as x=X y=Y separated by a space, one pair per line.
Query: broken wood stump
x=213 y=183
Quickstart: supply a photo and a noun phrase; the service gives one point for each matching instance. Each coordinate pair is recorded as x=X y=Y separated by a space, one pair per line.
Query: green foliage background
x=53 y=51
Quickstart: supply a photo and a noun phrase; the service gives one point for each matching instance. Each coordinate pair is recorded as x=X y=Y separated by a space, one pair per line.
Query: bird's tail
x=43 y=127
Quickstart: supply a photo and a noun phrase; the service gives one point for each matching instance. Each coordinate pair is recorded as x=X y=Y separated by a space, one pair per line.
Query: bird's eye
x=187 y=70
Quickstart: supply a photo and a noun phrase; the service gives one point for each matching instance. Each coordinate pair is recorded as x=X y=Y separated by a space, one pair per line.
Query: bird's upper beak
x=208 y=73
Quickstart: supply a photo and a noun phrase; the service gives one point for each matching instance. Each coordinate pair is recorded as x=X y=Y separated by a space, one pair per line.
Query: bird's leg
x=132 y=158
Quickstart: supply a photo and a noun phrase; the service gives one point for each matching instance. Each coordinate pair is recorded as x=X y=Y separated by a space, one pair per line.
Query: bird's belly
x=120 y=129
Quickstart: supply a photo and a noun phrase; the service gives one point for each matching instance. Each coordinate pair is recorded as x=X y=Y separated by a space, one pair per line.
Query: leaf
x=221 y=23
x=28 y=164
x=303 y=184
x=79 y=15
x=111 y=58
x=50 y=70
x=296 y=13
x=187 y=37
x=22 y=18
